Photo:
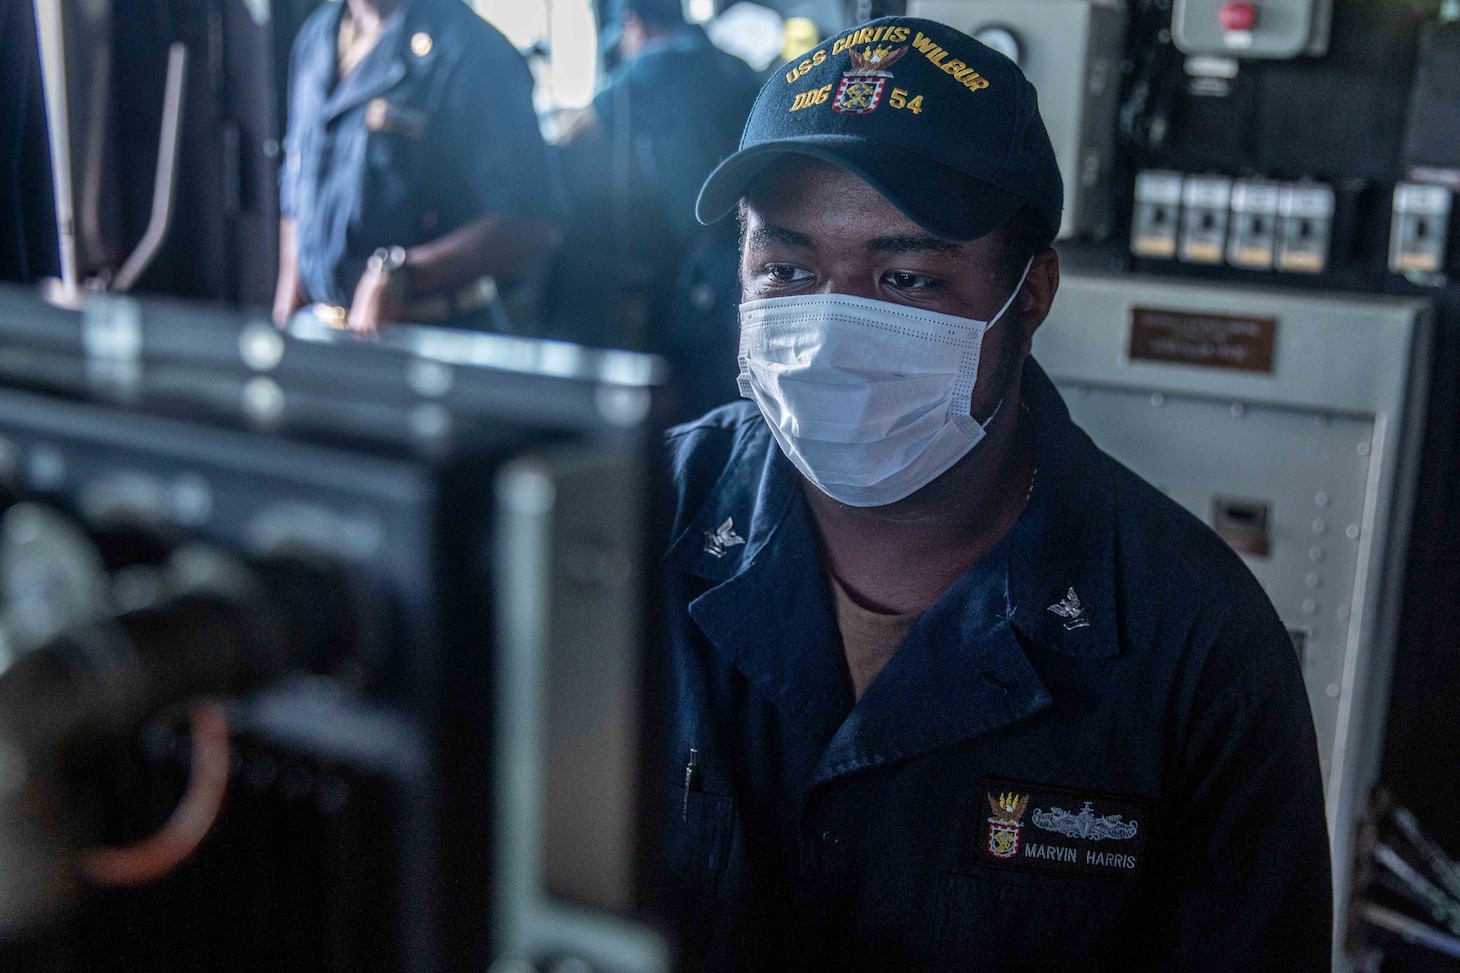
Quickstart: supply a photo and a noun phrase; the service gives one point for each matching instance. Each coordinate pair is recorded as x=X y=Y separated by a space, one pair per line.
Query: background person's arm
x=288 y=295
x=490 y=245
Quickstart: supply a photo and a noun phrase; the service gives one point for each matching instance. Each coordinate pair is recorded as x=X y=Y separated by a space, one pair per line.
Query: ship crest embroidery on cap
x=862 y=85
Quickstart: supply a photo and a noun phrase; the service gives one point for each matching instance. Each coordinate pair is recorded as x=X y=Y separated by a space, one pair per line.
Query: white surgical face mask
x=869 y=399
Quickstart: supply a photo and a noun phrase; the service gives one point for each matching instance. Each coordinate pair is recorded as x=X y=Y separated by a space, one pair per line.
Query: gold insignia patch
x=1006 y=823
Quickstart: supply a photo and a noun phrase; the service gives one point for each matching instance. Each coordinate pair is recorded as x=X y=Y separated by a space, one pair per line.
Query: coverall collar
x=384 y=67
x=1065 y=540
x=962 y=672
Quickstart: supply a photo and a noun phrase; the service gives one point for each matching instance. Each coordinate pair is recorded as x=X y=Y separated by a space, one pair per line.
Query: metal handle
x=165 y=185
x=53 y=84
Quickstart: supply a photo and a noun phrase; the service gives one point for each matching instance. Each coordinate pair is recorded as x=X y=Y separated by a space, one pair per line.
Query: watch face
x=1001 y=39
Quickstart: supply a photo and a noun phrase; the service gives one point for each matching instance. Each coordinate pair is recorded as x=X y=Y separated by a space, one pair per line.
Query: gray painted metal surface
x=1318 y=456
x=569 y=594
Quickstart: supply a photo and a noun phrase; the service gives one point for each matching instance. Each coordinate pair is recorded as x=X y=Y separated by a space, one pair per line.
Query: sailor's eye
x=785 y=273
x=905 y=280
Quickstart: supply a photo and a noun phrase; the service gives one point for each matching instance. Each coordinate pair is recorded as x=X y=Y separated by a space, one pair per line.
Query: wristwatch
x=390 y=263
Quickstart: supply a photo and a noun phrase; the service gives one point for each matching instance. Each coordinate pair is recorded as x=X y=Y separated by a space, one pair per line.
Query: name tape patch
x=1036 y=828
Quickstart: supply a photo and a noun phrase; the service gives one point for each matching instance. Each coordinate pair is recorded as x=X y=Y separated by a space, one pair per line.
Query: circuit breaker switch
x=1252 y=240
x=1206 y=204
x=1306 y=213
x=1157 y=214
x=1418 y=233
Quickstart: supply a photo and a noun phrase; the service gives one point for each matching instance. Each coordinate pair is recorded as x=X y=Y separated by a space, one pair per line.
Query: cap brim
x=949 y=204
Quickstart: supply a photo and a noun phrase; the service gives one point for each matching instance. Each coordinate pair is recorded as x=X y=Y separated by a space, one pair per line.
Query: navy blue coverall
x=1094 y=752
x=666 y=118
x=432 y=129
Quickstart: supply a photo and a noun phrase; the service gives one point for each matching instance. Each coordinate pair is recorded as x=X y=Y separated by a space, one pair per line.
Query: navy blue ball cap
x=945 y=128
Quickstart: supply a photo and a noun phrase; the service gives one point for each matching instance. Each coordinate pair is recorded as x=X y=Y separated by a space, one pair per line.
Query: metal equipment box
x=1291 y=423
x=1238 y=28
x=1070 y=51
x=435 y=760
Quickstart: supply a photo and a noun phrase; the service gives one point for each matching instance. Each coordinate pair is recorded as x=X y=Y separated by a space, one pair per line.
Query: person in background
x=415 y=181
x=637 y=269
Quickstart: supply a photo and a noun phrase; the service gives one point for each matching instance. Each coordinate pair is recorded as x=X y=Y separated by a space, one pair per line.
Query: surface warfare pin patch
x=1035 y=828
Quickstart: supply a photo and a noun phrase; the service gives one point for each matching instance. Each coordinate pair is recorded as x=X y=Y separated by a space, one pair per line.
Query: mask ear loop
x=1028 y=265
x=992 y=415
x=961 y=407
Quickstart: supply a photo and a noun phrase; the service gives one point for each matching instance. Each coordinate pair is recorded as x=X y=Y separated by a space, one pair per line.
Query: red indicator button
x=1238 y=15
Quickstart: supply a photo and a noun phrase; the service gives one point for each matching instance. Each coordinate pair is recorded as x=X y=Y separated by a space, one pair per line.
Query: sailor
x=633 y=163
x=416 y=185
x=950 y=688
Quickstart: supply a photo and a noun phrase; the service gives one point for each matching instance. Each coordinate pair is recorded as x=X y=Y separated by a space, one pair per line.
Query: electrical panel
x=1070 y=51
x=1290 y=423
x=1252 y=28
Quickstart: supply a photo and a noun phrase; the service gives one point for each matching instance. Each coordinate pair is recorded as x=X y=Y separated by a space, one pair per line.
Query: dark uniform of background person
x=27 y=217
x=414 y=173
x=1091 y=748
x=636 y=269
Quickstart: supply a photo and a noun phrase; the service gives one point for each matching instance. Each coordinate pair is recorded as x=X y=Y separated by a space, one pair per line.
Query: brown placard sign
x=1192 y=338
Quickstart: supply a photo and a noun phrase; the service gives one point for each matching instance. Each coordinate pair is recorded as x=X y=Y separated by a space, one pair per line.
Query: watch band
x=391 y=263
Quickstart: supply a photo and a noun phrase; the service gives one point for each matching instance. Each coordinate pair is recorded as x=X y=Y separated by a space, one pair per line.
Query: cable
x=192 y=819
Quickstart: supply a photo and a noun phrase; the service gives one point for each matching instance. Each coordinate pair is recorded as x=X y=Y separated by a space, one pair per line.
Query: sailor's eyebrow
x=769 y=233
x=913 y=244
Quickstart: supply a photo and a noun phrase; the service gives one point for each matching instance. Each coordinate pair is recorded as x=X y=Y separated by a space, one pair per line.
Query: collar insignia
x=719 y=540
x=1075 y=613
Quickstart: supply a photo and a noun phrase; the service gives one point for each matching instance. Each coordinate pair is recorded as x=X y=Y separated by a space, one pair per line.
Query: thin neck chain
x=1034 y=474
